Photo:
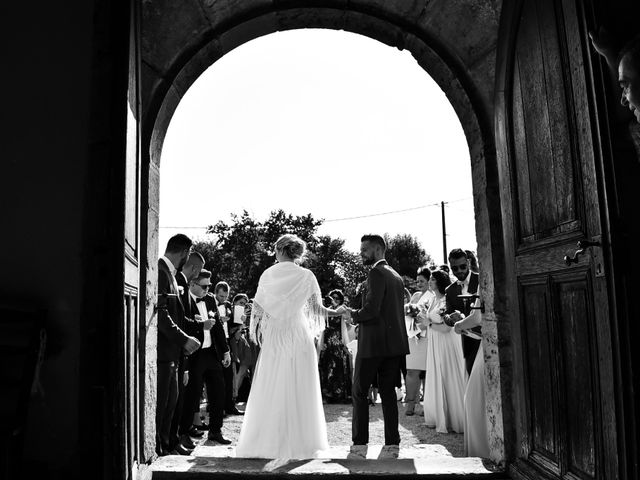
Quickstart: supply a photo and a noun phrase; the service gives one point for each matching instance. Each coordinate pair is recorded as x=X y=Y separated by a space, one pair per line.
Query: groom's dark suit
x=382 y=343
x=469 y=345
x=171 y=339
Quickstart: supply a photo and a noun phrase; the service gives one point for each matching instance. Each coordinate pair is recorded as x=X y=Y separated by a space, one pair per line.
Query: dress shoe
x=194 y=432
x=185 y=441
x=389 y=452
x=233 y=411
x=357 y=452
x=180 y=450
x=202 y=427
x=218 y=438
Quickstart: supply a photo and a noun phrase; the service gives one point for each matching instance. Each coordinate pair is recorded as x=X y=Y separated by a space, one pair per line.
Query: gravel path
x=412 y=429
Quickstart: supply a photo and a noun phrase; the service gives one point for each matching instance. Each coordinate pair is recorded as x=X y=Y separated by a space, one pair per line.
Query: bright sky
x=323 y=122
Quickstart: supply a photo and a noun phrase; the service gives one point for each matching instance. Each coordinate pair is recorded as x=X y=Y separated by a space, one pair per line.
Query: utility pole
x=444 y=235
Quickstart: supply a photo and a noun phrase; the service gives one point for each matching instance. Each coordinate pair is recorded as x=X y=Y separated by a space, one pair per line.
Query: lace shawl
x=285 y=292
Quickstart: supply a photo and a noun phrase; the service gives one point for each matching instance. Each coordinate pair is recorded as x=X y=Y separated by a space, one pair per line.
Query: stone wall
x=454 y=41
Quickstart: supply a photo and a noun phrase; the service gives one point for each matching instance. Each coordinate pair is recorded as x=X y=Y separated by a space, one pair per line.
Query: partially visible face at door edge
x=629 y=77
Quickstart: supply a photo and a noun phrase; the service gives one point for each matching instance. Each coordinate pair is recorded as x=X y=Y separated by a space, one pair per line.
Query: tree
x=242 y=249
x=405 y=254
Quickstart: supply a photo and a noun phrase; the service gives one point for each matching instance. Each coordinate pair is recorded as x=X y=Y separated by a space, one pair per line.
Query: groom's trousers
x=386 y=369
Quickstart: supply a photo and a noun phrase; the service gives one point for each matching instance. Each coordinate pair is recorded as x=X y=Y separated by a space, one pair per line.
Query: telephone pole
x=444 y=235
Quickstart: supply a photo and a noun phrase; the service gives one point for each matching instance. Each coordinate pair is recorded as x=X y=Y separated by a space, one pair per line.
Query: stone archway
x=455 y=43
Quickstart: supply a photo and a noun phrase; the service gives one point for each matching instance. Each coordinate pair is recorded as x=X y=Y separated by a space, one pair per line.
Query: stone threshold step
x=418 y=461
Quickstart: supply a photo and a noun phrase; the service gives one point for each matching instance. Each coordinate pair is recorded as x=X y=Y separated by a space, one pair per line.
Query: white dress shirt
x=202 y=310
x=464 y=284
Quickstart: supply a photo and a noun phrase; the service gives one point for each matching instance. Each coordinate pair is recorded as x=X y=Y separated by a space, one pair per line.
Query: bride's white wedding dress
x=284 y=417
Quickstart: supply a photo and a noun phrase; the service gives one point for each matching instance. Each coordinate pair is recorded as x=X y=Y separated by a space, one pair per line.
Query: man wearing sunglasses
x=457 y=309
x=207 y=363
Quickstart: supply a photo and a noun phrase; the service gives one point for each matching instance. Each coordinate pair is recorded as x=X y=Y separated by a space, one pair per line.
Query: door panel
x=133 y=382
x=563 y=337
x=540 y=371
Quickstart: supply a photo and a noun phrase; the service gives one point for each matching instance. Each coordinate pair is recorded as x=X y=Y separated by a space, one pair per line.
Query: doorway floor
x=423 y=453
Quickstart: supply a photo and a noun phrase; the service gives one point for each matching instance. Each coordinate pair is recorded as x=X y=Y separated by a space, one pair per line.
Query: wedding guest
x=242 y=355
x=221 y=294
x=446 y=376
x=476 y=437
x=457 y=308
x=207 y=363
x=334 y=363
x=187 y=273
x=184 y=276
x=624 y=66
x=473 y=261
x=417 y=358
x=172 y=341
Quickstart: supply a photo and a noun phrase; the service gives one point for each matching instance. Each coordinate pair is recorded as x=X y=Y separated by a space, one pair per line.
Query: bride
x=284 y=417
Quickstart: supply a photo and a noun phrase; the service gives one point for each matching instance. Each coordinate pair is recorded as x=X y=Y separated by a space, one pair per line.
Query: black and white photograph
x=281 y=239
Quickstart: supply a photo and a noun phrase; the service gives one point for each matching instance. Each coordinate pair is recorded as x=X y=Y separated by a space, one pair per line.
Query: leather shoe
x=186 y=442
x=202 y=427
x=218 y=438
x=180 y=450
x=194 y=432
x=233 y=411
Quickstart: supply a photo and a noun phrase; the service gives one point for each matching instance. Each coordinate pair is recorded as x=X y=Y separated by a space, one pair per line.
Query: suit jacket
x=171 y=336
x=381 y=328
x=182 y=282
x=456 y=303
x=195 y=329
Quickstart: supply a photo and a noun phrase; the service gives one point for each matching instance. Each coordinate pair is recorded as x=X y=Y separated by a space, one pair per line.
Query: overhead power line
x=379 y=214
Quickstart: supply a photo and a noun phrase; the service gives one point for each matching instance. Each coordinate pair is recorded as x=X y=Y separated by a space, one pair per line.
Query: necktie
x=200 y=300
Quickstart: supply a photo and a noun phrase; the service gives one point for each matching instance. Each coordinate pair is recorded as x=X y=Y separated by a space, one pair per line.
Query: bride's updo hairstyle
x=291 y=246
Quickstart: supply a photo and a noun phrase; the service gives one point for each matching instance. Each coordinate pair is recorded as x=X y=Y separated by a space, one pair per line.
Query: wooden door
x=131 y=356
x=563 y=367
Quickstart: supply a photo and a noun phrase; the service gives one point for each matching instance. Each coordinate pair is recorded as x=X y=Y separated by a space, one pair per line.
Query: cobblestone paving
x=413 y=431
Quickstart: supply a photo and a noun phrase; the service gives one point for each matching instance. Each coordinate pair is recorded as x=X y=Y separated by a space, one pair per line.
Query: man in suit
x=382 y=343
x=457 y=309
x=189 y=272
x=186 y=274
x=172 y=339
x=206 y=364
x=221 y=295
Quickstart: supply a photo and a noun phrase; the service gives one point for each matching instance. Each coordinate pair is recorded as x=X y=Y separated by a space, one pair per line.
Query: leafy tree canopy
x=241 y=250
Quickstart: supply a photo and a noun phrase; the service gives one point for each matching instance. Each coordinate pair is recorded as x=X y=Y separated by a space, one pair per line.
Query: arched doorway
x=173 y=57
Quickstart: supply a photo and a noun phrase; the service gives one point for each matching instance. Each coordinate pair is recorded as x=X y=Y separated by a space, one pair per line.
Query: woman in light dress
x=284 y=418
x=417 y=358
x=476 y=438
x=446 y=375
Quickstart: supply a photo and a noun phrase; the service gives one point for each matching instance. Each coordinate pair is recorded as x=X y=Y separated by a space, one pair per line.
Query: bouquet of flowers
x=414 y=311
x=411 y=310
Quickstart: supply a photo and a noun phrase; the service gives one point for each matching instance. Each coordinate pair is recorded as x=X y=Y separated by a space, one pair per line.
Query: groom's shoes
x=218 y=438
x=357 y=452
x=389 y=452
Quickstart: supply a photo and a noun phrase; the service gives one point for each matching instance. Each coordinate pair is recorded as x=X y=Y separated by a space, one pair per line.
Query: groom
x=382 y=342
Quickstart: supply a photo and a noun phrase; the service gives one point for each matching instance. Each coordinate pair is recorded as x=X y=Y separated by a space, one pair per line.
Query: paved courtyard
x=413 y=431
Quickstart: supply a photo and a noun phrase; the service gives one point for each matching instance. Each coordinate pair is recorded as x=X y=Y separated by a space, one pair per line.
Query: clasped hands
x=457 y=317
x=344 y=311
